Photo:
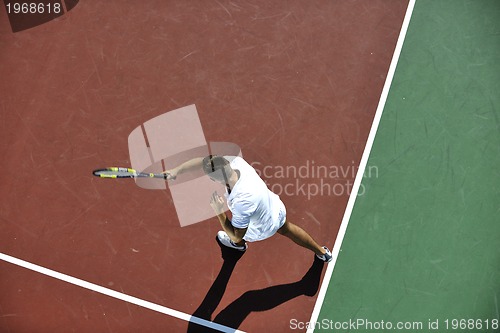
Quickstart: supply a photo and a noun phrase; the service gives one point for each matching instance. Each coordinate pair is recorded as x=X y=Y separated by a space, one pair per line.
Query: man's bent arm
x=235 y=234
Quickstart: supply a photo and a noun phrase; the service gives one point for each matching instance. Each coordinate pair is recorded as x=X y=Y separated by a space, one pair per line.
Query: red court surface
x=293 y=83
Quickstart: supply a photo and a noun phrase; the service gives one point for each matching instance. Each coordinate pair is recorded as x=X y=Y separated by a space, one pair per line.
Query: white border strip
x=117 y=295
x=362 y=165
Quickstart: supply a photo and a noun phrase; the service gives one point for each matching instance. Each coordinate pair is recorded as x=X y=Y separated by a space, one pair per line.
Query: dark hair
x=212 y=163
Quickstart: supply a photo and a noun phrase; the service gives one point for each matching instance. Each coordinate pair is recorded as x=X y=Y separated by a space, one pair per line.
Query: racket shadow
x=254 y=300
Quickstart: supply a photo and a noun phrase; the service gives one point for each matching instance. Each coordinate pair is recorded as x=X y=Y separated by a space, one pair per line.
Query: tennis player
x=257 y=213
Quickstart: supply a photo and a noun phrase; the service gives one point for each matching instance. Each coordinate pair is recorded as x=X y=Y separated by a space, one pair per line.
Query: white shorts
x=282 y=216
x=254 y=235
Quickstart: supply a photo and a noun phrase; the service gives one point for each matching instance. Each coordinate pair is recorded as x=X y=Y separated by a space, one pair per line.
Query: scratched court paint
x=287 y=81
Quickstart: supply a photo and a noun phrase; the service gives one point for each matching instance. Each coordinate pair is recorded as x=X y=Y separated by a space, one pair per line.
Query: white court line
x=362 y=167
x=115 y=294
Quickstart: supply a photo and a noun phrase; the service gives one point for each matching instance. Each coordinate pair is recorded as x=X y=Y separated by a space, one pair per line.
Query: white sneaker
x=226 y=241
x=327 y=256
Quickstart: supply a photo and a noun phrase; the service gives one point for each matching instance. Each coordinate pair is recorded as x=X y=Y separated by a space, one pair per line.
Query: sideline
x=362 y=166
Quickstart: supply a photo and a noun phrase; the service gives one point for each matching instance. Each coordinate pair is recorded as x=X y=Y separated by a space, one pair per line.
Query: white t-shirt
x=253 y=205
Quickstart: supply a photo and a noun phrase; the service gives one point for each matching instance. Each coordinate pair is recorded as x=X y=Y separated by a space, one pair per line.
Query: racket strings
x=116 y=173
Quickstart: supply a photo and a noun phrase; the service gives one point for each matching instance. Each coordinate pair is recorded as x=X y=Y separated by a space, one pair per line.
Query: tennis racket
x=116 y=172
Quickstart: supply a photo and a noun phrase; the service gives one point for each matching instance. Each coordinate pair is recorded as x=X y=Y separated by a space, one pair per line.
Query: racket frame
x=129 y=173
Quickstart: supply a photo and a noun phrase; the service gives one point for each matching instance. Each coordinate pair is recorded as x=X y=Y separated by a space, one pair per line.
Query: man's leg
x=300 y=237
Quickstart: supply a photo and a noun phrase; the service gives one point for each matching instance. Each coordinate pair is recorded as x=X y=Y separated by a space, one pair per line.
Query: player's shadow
x=254 y=300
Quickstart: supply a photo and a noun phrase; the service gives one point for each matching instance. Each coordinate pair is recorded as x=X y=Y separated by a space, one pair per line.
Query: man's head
x=217 y=168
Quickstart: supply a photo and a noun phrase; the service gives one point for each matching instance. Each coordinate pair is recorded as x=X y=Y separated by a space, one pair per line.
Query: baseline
x=117 y=295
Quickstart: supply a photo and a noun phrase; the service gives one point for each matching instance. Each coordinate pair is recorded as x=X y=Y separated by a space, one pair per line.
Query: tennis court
x=297 y=87
x=421 y=253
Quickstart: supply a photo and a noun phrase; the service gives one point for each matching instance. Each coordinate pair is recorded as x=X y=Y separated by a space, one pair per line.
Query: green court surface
x=422 y=247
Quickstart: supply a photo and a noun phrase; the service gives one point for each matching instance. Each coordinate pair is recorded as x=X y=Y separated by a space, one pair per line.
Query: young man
x=257 y=212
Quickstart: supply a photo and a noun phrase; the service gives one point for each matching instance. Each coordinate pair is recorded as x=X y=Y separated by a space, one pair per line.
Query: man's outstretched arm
x=191 y=165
